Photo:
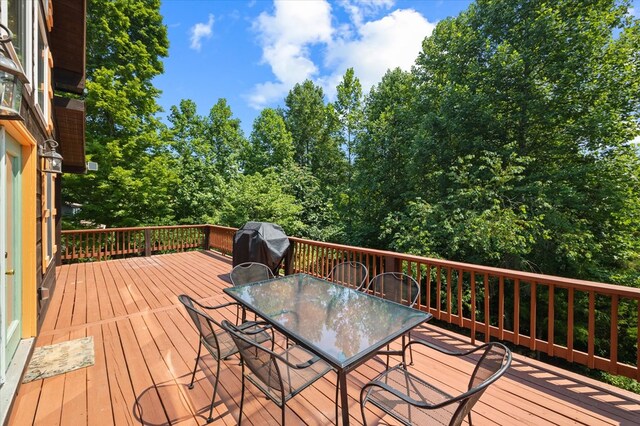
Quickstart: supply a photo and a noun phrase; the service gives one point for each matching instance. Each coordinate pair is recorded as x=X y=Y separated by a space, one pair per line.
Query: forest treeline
x=506 y=144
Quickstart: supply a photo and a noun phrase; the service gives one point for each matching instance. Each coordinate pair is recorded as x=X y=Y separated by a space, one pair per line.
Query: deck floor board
x=145 y=346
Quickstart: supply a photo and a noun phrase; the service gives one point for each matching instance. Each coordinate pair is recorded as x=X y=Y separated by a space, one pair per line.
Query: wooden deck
x=145 y=346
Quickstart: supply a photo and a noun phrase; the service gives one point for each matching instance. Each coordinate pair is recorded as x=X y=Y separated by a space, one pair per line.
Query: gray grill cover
x=260 y=242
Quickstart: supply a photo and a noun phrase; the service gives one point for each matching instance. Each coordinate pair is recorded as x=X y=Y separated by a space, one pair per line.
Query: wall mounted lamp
x=12 y=80
x=52 y=160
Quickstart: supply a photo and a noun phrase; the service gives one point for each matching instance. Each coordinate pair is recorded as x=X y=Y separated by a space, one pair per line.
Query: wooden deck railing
x=110 y=243
x=542 y=312
x=589 y=323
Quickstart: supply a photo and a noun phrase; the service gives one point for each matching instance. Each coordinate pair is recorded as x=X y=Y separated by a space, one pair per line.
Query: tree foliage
x=526 y=110
x=126 y=41
x=506 y=144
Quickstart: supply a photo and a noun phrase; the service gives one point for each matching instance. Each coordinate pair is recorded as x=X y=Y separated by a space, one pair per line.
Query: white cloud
x=371 y=47
x=359 y=9
x=390 y=42
x=200 y=31
x=286 y=37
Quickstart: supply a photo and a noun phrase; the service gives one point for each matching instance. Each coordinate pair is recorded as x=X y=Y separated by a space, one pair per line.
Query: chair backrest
x=395 y=286
x=204 y=323
x=256 y=357
x=493 y=363
x=250 y=272
x=350 y=274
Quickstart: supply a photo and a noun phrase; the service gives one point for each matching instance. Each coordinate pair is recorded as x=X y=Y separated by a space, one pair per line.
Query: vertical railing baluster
x=487 y=311
x=570 y=309
x=532 y=316
x=428 y=287
x=613 y=350
x=439 y=291
x=551 y=320
x=501 y=307
x=592 y=330
x=473 y=307
x=449 y=295
x=460 y=281
x=516 y=311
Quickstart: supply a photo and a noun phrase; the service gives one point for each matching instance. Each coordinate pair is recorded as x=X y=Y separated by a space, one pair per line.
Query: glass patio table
x=342 y=326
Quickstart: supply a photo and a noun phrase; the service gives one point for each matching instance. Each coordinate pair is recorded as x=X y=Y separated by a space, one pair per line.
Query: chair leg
x=337 y=389
x=362 y=403
x=215 y=390
x=410 y=351
x=195 y=367
x=470 y=424
x=284 y=406
x=387 y=363
x=241 y=400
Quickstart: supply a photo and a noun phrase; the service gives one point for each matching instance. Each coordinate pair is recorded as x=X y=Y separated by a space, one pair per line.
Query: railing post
x=207 y=238
x=288 y=259
x=147 y=242
x=392 y=264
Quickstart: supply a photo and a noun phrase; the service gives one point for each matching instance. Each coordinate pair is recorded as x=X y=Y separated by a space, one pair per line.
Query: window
x=17 y=23
x=48 y=219
x=42 y=68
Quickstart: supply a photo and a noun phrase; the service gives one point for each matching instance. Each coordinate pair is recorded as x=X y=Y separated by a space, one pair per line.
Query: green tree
x=526 y=110
x=125 y=43
x=348 y=107
x=319 y=215
x=225 y=135
x=270 y=144
x=313 y=126
x=199 y=192
x=382 y=179
x=260 y=197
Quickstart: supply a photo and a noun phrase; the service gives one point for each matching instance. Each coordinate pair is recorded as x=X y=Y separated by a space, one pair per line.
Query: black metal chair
x=280 y=376
x=250 y=272
x=217 y=341
x=400 y=288
x=349 y=274
x=413 y=401
x=246 y=273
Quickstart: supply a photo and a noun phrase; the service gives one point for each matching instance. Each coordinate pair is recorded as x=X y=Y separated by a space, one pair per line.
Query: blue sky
x=252 y=52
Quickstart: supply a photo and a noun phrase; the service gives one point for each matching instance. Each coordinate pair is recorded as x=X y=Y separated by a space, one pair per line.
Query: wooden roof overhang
x=68 y=48
x=68 y=45
x=70 y=126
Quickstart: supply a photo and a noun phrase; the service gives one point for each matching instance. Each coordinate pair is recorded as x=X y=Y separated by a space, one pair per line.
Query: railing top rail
x=528 y=277
x=135 y=228
x=227 y=228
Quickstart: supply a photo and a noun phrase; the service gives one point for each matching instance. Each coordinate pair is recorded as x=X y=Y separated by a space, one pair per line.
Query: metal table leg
x=344 y=397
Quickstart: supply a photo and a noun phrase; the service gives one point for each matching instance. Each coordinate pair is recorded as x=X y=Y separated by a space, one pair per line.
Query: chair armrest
x=223 y=305
x=443 y=350
x=300 y=366
x=261 y=326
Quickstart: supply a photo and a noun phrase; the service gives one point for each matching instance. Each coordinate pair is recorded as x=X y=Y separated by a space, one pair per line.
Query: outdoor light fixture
x=52 y=160
x=12 y=80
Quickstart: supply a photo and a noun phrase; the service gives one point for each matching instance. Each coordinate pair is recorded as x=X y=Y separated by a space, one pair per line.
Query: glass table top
x=340 y=323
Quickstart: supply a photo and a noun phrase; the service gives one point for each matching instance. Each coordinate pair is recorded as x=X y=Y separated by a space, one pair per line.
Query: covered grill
x=260 y=242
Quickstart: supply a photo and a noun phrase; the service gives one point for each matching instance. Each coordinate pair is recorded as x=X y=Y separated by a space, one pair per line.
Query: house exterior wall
x=34 y=21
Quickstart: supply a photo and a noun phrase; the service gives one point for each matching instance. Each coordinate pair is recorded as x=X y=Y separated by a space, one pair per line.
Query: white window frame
x=49 y=213
x=38 y=57
x=28 y=65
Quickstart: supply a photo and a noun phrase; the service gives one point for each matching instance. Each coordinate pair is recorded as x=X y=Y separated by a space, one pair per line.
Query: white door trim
x=3 y=231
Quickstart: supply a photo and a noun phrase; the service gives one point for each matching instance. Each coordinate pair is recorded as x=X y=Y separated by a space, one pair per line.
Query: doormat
x=60 y=358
